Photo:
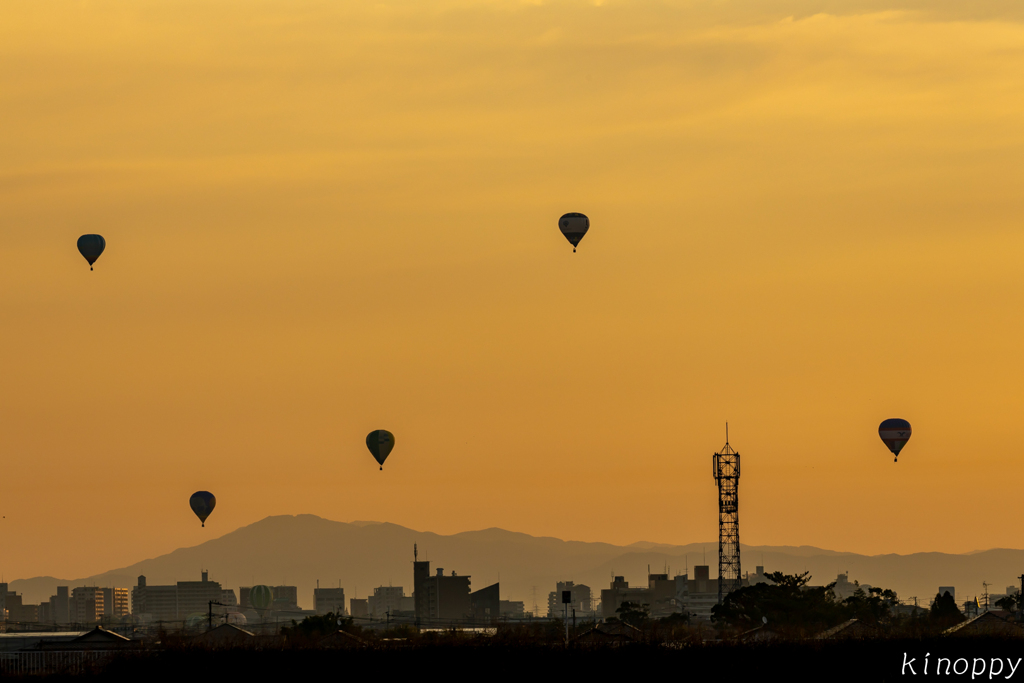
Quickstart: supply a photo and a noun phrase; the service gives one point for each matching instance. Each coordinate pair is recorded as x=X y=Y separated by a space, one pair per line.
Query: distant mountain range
x=300 y=550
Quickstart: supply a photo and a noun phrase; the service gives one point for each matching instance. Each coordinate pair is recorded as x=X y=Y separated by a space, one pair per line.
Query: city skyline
x=309 y=552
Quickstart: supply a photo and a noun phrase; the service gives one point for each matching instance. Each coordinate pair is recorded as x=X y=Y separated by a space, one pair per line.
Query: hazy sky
x=328 y=217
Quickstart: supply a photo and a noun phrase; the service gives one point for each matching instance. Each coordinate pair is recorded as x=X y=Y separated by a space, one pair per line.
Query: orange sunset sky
x=327 y=217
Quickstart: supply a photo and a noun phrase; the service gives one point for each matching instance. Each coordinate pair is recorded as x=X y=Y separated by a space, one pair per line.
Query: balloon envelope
x=574 y=226
x=895 y=433
x=380 y=442
x=261 y=597
x=91 y=246
x=202 y=503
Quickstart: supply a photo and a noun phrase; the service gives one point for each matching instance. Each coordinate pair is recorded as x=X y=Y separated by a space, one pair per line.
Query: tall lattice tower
x=727 y=476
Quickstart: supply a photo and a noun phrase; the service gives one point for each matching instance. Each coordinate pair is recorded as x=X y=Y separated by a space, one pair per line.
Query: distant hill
x=299 y=550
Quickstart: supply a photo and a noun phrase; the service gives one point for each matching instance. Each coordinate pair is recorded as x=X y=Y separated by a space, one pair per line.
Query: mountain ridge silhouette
x=300 y=549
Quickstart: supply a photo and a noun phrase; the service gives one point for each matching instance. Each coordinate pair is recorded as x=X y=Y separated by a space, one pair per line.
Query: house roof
x=610 y=631
x=225 y=633
x=852 y=628
x=101 y=635
x=986 y=623
x=342 y=639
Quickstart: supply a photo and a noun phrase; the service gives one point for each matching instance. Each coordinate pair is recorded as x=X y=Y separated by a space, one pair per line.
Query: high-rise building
x=359 y=608
x=86 y=604
x=158 y=603
x=662 y=594
x=60 y=606
x=243 y=598
x=329 y=600
x=194 y=597
x=485 y=604
x=386 y=600
x=227 y=598
x=116 y=602
x=440 y=599
x=177 y=602
x=582 y=600
x=286 y=598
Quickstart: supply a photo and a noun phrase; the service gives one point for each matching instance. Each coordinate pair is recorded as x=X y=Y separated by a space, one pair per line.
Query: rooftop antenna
x=415 y=552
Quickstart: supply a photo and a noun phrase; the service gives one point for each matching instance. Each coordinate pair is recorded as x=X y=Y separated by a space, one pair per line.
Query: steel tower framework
x=727 y=476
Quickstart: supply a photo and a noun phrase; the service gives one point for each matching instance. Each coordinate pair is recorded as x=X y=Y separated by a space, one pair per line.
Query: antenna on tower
x=415 y=553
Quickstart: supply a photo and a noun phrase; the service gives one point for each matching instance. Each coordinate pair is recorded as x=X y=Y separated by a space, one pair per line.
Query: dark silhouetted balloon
x=91 y=246
x=202 y=503
x=574 y=226
x=380 y=443
x=895 y=433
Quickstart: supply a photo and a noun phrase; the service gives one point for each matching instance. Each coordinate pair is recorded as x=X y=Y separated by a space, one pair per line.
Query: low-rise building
x=17 y=611
x=620 y=592
x=581 y=600
x=512 y=609
x=845 y=588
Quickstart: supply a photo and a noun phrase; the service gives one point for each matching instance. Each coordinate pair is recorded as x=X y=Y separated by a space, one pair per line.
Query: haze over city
x=327 y=218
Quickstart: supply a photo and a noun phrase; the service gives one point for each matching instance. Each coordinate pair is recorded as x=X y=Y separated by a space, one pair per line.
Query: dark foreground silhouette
x=853 y=660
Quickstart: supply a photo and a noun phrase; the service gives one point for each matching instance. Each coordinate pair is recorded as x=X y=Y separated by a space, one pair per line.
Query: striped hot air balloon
x=574 y=226
x=380 y=442
x=261 y=598
x=895 y=433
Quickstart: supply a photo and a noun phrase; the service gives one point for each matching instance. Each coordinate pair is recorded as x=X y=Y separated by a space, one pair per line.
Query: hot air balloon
x=574 y=226
x=202 y=503
x=91 y=246
x=895 y=433
x=380 y=443
x=261 y=597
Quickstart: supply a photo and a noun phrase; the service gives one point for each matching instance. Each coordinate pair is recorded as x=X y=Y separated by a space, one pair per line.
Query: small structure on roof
x=225 y=635
x=985 y=624
x=852 y=628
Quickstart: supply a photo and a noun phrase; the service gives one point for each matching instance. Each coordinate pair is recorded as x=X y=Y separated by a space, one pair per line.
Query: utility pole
x=209 y=622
